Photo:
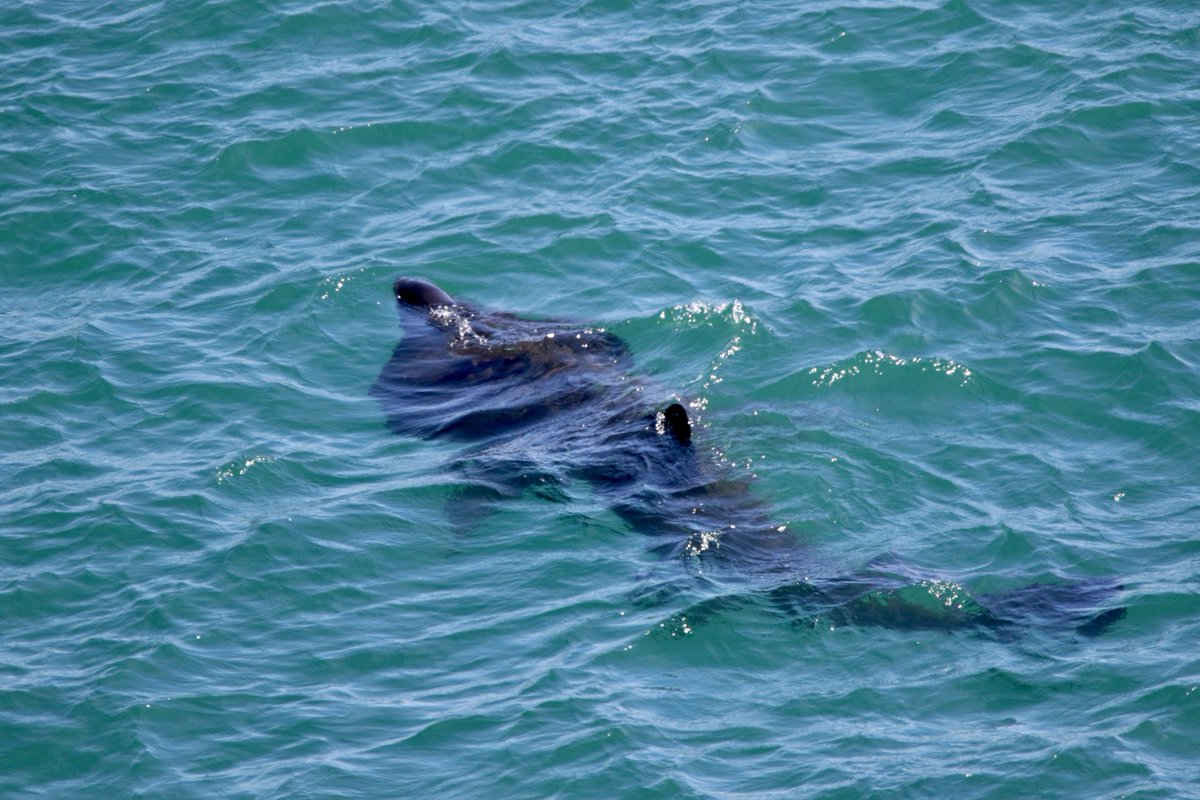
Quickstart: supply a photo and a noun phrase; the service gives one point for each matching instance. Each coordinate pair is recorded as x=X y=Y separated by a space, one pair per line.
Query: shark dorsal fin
x=677 y=424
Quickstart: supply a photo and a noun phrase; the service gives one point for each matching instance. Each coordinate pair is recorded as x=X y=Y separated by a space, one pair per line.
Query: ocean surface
x=927 y=275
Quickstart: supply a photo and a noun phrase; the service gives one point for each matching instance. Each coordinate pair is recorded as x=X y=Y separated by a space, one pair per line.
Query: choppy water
x=930 y=270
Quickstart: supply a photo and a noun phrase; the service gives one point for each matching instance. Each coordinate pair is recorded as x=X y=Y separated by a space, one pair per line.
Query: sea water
x=927 y=274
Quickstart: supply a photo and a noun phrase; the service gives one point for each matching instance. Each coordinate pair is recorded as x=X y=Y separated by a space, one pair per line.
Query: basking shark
x=542 y=403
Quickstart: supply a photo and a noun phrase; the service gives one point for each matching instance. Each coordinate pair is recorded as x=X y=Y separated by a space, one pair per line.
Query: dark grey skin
x=543 y=403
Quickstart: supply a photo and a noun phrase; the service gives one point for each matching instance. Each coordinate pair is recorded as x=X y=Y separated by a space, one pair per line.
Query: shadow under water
x=543 y=403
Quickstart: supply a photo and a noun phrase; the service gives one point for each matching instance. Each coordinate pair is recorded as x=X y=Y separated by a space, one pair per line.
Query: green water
x=930 y=271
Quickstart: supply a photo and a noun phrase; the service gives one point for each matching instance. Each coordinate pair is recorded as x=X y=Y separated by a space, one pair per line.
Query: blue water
x=927 y=274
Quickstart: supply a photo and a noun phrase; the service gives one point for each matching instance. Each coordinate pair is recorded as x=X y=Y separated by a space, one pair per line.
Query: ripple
x=962 y=247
